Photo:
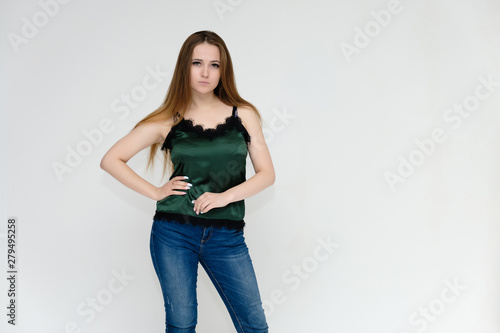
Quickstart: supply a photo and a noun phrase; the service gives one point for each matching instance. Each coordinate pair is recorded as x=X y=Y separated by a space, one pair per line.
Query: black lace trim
x=188 y=125
x=195 y=220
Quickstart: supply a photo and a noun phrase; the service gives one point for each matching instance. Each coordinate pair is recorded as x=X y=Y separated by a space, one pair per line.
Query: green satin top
x=214 y=159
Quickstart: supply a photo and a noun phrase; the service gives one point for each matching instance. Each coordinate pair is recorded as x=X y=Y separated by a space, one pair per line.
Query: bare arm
x=262 y=164
x=115 y=161
x=260 y=157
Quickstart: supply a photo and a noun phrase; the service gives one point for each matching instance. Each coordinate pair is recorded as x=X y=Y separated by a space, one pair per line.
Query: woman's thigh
x=226 y=259
x=175 y=259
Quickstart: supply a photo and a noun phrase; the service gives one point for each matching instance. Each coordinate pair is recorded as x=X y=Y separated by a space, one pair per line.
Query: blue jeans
x=177 y=248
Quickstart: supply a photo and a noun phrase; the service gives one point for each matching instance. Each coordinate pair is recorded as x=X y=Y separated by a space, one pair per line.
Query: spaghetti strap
x=176 y=117
x=235 y=111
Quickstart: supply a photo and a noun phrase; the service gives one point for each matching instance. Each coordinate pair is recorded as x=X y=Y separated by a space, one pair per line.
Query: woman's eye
x=215 y=65
x=196 y=63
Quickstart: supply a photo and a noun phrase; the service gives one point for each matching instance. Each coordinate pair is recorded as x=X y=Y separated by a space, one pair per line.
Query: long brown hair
x=178 y=95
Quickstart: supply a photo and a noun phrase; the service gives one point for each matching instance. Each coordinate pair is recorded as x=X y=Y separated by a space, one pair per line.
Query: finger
x=180 y=178
x=178 y=193
x=206 y=209
x=199 y=204
x=179 y=181
x=171 y=186
x=196 y=202
x=197 y=208
x=182 y=186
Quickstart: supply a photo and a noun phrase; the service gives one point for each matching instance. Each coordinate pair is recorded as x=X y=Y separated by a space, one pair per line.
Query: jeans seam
x=203 y=241
x=157 y=268
x=223 y=293
x=210 y=234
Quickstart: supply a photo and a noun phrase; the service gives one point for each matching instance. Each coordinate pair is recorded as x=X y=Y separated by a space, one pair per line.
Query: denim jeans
x=177 y=248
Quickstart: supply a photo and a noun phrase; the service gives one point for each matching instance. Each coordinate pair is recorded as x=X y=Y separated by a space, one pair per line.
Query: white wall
x=418 y=254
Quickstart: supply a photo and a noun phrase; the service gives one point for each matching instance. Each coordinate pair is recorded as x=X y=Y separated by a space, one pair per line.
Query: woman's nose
x=204 y=72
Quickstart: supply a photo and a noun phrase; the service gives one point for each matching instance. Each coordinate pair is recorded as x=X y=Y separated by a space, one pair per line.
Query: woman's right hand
x=175 y=186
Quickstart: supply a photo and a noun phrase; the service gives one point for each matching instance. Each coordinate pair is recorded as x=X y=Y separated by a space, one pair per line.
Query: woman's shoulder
x=248 y=115
x=160 y=128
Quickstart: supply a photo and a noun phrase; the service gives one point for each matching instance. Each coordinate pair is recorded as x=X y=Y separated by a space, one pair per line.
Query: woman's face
x=205 y=68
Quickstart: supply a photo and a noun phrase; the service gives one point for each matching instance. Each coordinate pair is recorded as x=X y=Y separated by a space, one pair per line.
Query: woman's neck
x=203 y=101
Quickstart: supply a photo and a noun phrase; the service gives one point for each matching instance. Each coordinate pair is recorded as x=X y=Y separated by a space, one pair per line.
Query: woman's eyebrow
x=196 y=59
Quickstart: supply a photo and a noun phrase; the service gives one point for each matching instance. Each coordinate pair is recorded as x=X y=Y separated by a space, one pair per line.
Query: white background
x=336 y=125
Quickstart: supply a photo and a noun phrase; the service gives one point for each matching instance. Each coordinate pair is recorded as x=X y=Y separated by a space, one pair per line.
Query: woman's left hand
x=209 y=200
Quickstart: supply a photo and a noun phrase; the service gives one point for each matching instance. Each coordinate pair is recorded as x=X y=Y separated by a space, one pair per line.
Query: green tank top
x=214 y=159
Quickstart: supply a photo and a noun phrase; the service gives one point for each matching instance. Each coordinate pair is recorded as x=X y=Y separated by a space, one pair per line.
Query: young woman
x=206 y=130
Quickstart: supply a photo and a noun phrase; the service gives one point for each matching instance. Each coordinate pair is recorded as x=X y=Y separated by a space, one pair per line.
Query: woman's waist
x=183 y=204
x=210 y=181
x=200 y=221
